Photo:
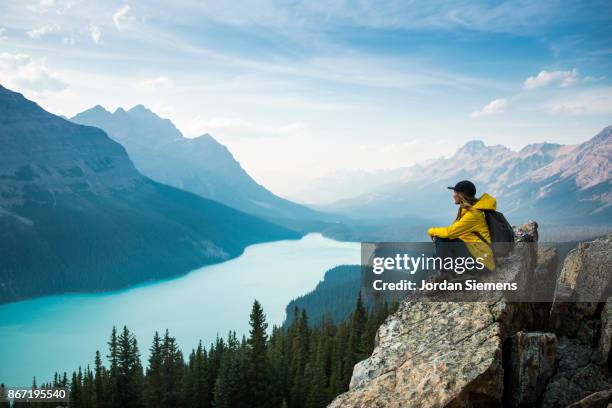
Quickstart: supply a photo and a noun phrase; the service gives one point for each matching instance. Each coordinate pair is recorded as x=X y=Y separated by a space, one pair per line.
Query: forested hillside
x=332 y=298
x=75 y=215
x=301 y=366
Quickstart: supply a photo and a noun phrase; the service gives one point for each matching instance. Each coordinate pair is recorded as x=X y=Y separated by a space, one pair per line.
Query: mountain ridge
x=547 y=180
x=201 y=165
x=77 y=216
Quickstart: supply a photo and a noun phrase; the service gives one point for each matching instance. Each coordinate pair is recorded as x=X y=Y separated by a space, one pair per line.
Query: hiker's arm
x=465 y=224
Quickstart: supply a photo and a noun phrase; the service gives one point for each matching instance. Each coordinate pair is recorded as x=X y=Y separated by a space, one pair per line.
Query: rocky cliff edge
x=500 y=353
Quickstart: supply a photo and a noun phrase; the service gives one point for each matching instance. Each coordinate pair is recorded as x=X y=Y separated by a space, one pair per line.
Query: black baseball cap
x=466 y=187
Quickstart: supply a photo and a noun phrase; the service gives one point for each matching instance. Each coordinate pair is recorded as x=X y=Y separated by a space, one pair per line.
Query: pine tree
x=230 y=386
x=113 y=358
x=101 y=386
x=277 y=355
x=338 y=381
x=197 y=379
x=328 y=331
x=318 y=391
x=128 y=386
x=171 y=372
x=299 y=358
x=261 y=387
x=355 y=348
x=154 y=385
x=75 y=391
x=215 y=356
x=88 y=393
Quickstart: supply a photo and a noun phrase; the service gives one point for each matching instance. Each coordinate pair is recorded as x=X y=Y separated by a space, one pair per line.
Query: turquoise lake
x=59 y=333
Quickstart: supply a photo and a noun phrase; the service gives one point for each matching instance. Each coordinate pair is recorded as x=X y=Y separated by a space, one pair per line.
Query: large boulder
x=585 y=281
x=444 y=353
x=434 y=353
x=581 y=320
x=527 y=232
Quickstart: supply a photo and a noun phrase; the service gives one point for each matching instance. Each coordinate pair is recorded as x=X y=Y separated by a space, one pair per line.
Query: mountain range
x=76 y=215
x=200 y=165
x=555 y=184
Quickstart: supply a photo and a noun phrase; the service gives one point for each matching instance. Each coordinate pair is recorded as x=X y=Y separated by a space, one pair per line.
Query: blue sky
x=298 y=90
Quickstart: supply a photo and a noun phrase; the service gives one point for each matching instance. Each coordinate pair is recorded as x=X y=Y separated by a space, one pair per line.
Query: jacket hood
x=486 y=202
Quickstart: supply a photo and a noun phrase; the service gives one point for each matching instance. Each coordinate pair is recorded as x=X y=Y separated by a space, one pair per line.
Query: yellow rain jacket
x=464 y=226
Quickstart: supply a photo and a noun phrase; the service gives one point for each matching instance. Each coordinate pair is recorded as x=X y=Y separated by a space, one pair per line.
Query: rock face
x=583 y=284
x=494 y=353
x=577 y=375
x=580 y=317
x=532 y=366
x=605 y=338
x=420 y=350
x=527 y=232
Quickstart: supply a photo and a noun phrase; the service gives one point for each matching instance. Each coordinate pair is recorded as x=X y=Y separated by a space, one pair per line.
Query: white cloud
x=95 y=33
x=590 y=102
x=593 y=79
x=156 y=83
x=233 y=126
x=2 y=34
x=122 y=17
x=545 y=78
x=494 y=107
x=44 y=30
x=41 y=6
x=44 y=6
x=26 y=73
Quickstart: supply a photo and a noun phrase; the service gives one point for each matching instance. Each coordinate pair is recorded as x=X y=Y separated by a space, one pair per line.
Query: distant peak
x=139 y=108
x=207 y=139
x=98 y=108
x=540 y=147
x=142 y=111
x=205 y=136
x=96 y=111
x=473 y=146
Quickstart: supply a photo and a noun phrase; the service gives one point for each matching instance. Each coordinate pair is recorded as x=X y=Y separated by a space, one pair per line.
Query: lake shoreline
x=198 y=305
